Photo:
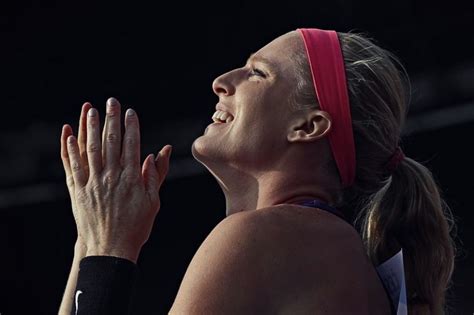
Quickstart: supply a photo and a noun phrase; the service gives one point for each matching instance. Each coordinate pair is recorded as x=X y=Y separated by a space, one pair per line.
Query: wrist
x=129 y=254
x=80 y=248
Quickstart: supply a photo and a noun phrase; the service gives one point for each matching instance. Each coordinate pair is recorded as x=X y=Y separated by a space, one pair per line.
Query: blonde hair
x=399 y=210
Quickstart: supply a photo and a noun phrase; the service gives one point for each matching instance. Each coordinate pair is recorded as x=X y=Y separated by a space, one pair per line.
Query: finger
x=151 y=177
x=131 y=142
x=162 y=162
x=65 y=133
x=111 y=136
x=75 y=162
x=82 y=134
x=94 y=150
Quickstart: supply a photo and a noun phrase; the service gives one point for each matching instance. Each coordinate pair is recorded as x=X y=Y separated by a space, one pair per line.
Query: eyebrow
x=270 y=64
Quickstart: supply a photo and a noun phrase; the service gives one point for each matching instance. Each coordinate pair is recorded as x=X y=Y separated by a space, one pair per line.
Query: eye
x=258 y=72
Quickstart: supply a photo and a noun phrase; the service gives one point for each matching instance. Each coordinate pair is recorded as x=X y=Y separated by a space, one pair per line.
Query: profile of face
x=264 y=124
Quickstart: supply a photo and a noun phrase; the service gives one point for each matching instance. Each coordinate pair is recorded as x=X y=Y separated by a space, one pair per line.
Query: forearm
x=68 y=297
x=107 y=278
x=104 y=286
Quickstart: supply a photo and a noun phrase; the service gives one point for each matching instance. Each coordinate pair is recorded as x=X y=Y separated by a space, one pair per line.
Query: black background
x=161 y=59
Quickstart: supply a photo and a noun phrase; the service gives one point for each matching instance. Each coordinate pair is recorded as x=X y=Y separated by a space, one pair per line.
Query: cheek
x=261 y=112
x=258 y=130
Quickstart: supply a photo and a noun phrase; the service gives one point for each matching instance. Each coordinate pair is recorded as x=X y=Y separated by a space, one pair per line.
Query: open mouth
x=221 y=117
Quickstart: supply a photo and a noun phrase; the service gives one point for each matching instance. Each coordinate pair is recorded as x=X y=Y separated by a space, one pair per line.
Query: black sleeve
x=104 y=286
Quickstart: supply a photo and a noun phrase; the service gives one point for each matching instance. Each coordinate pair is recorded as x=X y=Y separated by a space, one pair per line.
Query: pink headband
x=329 y=79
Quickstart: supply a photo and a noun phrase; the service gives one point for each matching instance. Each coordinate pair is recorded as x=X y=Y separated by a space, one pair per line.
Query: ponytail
x=409 y=213
x=403 y=209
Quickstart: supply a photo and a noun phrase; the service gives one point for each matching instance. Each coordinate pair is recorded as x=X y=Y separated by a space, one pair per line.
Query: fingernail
x=112 y=101
x=92 y=112
x=70 y=139
x=130 y=112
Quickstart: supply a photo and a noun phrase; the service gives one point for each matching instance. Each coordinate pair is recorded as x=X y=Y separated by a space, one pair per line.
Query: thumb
x=151 y=177
x=162 y=162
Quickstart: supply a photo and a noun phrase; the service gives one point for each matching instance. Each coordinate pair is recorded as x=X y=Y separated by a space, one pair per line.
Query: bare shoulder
x=283 y=231
x=311 y=230
x=276 y=260
x=227 y=275
x=318 y=259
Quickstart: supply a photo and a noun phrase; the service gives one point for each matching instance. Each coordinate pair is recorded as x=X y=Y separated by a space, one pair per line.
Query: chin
x=196 y=149
x=201 y=154
x=207 y=152
x=201 y=149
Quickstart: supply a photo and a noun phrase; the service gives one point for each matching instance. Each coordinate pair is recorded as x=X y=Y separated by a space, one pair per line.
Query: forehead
x=279 y=51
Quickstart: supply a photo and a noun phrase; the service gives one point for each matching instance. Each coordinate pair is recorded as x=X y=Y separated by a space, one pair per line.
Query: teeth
x=221 y=116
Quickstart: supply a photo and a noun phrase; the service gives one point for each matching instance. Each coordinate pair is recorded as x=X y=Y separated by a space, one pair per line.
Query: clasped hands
x=114 y=200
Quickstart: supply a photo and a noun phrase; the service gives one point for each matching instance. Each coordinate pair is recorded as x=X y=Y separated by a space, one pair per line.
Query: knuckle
x=109 y=178
x=129 y=141
x=70 y=181
x=93 y=147
x=112 y=137
x=75 y=166
x=111 y=112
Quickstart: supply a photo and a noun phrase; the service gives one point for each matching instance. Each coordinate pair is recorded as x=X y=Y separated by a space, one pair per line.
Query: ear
x=315 y=125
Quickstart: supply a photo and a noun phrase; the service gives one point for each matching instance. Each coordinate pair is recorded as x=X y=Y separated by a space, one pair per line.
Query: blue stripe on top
x=316 y=203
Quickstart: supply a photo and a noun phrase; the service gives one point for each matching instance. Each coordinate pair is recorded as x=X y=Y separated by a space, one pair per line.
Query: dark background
x=161 y=59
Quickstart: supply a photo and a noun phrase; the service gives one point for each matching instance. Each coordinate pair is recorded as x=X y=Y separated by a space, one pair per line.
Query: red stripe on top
x=329 y=79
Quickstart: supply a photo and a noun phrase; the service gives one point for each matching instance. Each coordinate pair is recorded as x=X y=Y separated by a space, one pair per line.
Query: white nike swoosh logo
x=77 y=299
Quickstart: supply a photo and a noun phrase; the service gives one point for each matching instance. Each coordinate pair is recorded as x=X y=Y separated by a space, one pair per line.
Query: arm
x=68 y=297
x=103 y=284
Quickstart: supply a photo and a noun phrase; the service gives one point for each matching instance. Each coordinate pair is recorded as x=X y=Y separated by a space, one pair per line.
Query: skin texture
x=268 y=157
x=114 y=200
x=283 y=259
x=262 y=157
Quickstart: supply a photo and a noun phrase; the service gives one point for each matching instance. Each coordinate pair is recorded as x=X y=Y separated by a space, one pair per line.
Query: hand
x=114 y=200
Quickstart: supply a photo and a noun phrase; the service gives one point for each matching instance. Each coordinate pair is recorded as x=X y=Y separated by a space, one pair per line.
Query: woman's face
x=257 y=96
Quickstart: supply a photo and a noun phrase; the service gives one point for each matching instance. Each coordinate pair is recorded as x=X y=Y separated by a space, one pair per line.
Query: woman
x=305 y=135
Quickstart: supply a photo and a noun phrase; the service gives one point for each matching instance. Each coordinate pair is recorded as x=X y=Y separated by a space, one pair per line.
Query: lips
x=224 y=108
x=215 y=125
x=222 y=117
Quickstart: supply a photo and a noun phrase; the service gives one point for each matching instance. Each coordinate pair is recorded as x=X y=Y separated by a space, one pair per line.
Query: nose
x=222 y=85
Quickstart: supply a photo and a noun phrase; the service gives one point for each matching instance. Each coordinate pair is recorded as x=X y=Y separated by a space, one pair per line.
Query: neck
x=271 y=189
